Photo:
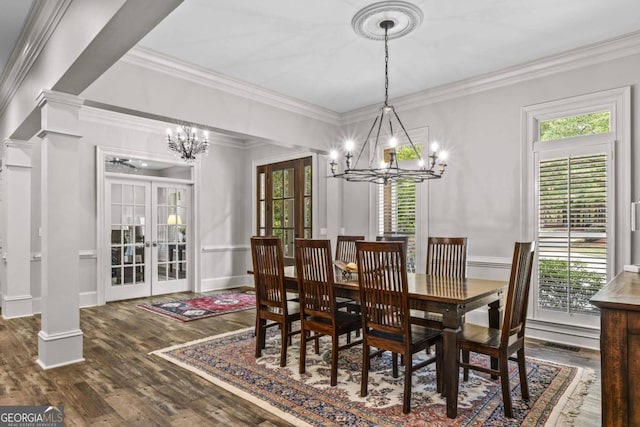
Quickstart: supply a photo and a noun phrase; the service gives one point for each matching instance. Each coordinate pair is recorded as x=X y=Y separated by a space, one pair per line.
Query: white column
x=17 y=300
x=60 y=337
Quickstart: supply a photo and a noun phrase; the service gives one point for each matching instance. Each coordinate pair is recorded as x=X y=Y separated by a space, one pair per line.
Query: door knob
x=147 y=244
x=155 y=243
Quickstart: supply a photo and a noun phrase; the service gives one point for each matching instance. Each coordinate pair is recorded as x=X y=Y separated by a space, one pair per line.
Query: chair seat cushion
x=344 y=320
x=293 y=308
x=342 y=302
x=480 y=334
x=419 y=335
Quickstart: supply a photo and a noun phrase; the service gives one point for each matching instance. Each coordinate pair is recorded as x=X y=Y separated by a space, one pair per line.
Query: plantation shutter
x=397 y=202
x=572 y=232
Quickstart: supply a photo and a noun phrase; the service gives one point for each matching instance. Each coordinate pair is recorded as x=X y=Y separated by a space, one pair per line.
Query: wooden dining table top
x=448 y=290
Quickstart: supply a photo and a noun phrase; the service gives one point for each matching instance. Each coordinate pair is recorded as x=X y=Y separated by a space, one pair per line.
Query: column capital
x=59 y=113
x=17 y=153
x=51 y=96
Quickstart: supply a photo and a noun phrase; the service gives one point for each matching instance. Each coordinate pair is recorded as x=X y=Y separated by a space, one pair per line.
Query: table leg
x=495 y=319
x=452 y=326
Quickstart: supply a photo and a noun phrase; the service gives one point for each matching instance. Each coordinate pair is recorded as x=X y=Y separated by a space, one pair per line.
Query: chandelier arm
x=375 y=147
x=373 y=125
x=415 y=150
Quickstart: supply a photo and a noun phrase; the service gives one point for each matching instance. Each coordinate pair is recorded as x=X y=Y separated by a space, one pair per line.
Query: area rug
x=202 y=307
x=308 y=400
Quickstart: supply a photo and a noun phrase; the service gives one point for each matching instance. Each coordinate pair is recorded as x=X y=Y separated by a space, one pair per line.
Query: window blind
x=572 y=232
x=397 y=214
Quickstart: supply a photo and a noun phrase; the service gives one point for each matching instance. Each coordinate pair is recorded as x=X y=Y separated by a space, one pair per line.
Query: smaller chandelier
x=186 y=142
x=386 y=169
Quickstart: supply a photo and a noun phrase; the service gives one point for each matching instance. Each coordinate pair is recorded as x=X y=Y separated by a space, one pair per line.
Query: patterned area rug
x=201 y=307
x=228 y=361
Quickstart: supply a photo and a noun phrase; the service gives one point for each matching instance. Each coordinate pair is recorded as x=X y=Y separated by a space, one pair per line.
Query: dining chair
x=384 y=298
x=271 y=297
x=502 y=343
x=345 y=255
x=318 y=309
x=447 y=256
x=346 y=252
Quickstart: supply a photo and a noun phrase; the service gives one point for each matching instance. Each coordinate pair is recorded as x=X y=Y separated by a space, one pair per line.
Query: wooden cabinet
x=619 y=303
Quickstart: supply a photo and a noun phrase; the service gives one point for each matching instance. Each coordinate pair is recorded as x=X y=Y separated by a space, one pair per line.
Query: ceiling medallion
x=405 y=17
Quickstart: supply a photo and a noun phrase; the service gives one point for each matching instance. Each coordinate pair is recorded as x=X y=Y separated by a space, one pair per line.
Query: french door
x=284 y=202
x=149 y=223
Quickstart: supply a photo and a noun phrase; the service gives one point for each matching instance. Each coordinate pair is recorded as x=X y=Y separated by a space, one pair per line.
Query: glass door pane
x=172 y=216
x=127 y=220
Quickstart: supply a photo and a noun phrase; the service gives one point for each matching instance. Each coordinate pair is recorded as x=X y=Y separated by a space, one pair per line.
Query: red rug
x=202 y=307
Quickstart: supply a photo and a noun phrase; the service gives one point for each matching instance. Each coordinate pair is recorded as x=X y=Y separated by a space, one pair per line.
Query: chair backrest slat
x=382 y=274
x=268 y=272
x=346 y=248
x=515 y=312
x=314 y=270
x=447 y=256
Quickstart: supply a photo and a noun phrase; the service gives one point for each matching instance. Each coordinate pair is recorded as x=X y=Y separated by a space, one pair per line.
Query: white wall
x=479 y=196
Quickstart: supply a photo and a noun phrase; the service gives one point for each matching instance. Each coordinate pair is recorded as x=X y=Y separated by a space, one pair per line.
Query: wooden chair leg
x=289 y=336
x=260 y=336
x=364 y=380
x=406 y=398
x=316 y=343
x=283 y=345
x=506 y=390
x=439 y=364
x=303 y=352
x=465 y=370
x=334 y=360
x=394 y=364
x=524 y=386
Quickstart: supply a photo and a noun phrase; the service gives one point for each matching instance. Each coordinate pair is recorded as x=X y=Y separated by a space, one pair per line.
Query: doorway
x=148 y=223
x=284 y=202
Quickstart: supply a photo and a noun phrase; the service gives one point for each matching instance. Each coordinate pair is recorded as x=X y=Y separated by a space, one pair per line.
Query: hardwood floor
x=120 y=384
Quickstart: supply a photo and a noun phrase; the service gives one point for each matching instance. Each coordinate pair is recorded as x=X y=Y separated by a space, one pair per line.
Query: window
x=577 y=205
x=397 y=206
x=572 y=232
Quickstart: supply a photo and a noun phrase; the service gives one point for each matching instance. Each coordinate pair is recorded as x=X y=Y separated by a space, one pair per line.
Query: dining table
x=449 y=297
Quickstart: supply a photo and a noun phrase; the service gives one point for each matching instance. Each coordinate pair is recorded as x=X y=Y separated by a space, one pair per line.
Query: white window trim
x=618 y=102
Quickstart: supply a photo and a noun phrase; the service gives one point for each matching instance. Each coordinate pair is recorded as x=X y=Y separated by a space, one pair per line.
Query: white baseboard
x=87 y=299
x=219 y=283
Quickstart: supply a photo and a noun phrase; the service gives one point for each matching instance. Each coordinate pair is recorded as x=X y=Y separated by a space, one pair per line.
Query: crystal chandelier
x=387 y=170
x=186 y=142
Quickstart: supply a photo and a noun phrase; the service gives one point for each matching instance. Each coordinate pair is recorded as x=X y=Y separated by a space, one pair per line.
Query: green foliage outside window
x=562 y=287
x=567 y=127
x=406 y=152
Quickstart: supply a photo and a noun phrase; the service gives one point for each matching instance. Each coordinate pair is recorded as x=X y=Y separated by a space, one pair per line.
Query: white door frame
x=104 y=258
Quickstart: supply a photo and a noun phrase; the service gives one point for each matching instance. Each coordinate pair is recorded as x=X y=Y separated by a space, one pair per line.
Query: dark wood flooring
x=120 y=384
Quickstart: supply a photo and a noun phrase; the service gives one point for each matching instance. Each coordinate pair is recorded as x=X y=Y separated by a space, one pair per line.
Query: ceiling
x=307 y=49
x=14 y=13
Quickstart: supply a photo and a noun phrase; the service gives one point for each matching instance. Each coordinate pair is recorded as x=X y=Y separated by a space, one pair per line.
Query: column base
x=59 y=349
x=17 y=306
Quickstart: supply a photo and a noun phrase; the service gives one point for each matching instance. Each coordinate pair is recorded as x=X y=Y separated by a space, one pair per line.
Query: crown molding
x=44 y=17
x=151 y=126
x=157 y=61
x=619 y=47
